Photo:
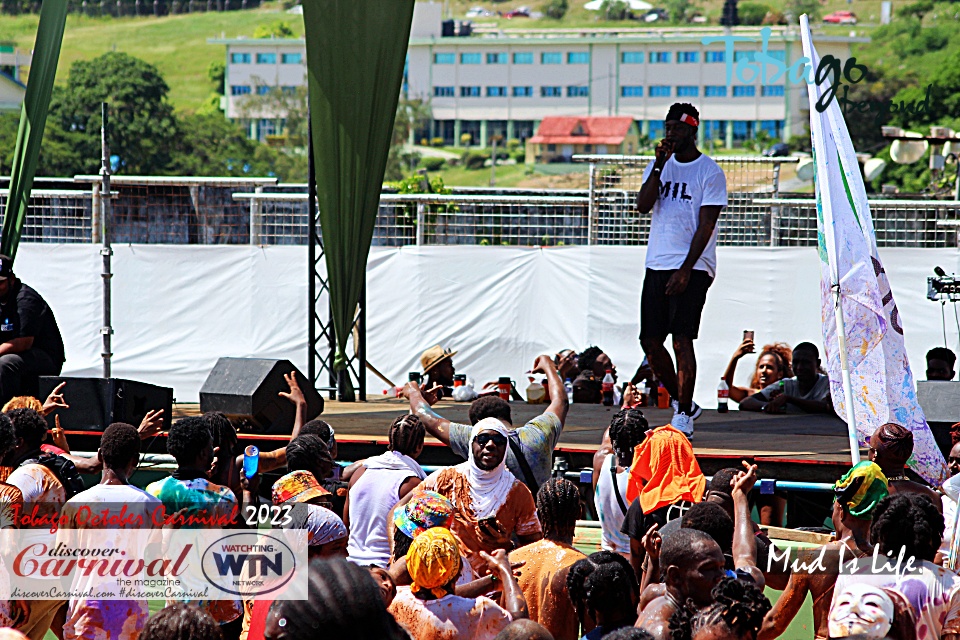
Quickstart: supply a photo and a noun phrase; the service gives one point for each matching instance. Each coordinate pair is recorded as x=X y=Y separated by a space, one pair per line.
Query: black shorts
x=662 y=315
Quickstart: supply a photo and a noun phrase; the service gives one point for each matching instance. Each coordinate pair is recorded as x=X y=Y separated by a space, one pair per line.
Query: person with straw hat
x=429 y=608
x=438 y=369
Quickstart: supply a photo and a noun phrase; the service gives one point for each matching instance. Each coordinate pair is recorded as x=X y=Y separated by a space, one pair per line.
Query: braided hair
x=558 y=507
x=581 y=570
x=406 y=435
x=740 y=607
x=910 y=522
x=8 y=440
x=609 y=591
x=344 y=601
x=181 y=622
x=627 y=430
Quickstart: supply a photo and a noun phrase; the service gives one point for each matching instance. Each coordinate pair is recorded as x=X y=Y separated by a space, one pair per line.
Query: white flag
x=881 y=382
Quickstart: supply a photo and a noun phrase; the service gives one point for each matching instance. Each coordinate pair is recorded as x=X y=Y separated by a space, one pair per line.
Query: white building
x=505 y=83
x=12 y=88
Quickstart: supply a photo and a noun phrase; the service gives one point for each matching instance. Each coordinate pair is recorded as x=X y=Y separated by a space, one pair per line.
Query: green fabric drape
x=355 y=59
x=33 y=117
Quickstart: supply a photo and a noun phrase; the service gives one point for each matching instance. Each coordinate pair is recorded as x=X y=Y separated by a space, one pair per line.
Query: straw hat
x=434 y=356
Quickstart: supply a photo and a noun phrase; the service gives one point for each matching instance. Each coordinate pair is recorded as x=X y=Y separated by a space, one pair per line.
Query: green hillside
x=177 y=45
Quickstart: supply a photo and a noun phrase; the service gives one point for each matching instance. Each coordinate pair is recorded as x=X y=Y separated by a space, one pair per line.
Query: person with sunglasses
x=491 y=505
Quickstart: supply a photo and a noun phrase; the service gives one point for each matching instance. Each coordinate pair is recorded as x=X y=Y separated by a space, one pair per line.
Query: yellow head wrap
x=433 y=561
x=861 y=489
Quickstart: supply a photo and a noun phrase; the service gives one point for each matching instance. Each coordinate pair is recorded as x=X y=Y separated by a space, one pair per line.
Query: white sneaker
x=683 y=423
x=695 y=412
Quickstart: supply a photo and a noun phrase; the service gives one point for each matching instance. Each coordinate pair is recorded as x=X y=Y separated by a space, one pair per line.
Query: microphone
x=940 y=272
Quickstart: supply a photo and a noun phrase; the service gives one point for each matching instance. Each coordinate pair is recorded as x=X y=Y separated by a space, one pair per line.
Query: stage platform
x=811 y=448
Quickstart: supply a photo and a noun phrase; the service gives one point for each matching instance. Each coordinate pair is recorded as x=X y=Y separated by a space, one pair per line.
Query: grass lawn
x=176 y=45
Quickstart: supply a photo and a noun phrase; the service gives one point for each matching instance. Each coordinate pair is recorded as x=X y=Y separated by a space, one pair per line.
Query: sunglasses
x=498 y=439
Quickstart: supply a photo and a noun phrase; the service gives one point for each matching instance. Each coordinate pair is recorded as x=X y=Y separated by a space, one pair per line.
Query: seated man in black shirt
x=30 y=342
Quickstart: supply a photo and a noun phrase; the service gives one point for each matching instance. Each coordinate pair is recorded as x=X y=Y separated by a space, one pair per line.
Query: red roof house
x=560 y=137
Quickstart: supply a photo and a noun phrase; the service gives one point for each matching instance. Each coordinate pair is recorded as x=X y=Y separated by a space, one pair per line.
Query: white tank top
x=371 y=498
x=608 y=508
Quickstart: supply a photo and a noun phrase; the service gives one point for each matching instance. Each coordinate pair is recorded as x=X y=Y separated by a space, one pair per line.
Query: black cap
x=6 y=267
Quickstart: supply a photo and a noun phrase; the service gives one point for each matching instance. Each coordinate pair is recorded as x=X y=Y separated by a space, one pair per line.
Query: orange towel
x=665 y=470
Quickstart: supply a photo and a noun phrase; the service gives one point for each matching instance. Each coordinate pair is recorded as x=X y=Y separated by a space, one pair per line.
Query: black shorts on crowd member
x=662 y=315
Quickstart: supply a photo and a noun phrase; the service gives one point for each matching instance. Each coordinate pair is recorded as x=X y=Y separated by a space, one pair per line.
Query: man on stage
x=686 y=191
x=30 y=342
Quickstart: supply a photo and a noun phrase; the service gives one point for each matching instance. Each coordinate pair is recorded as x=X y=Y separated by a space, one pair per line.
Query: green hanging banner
x=33 y=117
x=356 y=51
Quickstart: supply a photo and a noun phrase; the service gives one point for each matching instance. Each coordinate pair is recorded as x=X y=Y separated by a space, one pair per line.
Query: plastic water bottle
x=251 y=461
x=607 y=388
x=568 y=387
x=723 y=393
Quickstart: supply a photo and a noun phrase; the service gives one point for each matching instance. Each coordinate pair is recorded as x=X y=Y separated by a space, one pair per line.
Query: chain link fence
x=260 y=211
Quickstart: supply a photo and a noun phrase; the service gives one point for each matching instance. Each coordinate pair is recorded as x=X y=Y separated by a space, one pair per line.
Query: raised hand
x=151 y=424
x=54 y=401
x=295 y=395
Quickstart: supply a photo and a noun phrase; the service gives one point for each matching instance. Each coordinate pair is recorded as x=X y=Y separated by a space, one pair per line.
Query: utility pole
x=493 y=163
x=105 y=251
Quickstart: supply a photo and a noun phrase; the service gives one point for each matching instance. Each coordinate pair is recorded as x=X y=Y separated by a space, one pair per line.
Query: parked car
x=841 y=17
x=777 y=151
x=519 y=12
x=479 y=12
x=655 y=15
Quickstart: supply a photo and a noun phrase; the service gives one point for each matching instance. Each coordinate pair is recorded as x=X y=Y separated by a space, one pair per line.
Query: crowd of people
x=485 y=549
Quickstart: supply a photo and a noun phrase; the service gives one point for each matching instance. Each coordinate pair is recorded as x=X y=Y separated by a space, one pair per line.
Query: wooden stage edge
x=787 y=447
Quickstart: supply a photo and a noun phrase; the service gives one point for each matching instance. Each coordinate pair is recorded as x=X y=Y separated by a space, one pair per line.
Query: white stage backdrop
x=176 y=309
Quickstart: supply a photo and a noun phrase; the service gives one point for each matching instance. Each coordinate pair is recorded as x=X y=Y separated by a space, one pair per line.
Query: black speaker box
x=248 y=388
x=95 y=403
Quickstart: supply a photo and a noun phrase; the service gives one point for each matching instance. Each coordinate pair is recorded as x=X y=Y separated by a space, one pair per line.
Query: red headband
x=690 y=120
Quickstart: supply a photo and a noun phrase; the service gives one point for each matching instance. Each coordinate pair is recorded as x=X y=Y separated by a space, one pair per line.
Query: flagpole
x=845 y=376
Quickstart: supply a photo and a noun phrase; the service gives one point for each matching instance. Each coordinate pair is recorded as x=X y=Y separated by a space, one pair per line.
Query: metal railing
x=259 y=211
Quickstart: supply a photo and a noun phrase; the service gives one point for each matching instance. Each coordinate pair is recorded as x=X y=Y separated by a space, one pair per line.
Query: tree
x=916 y=9
x=752 y=13
x=211 y=145
x=795 y=8
x=217 y=72
x=556 y=9
x=680 y=10
x=141 y=122
x=615 y=10
x=412 y=115
x=278 y=29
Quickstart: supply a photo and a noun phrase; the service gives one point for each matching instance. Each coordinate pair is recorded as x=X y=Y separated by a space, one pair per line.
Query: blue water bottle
x=251 y=461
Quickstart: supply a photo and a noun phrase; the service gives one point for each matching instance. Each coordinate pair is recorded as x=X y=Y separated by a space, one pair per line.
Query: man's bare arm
x=17 y=345
x=558 y=393
x=436 y=425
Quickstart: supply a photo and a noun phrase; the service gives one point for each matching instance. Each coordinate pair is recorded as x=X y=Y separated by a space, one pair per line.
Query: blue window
x=659 y=91
x=631 y=57
x=578 y=91
x=496 y=58
x=266 y=58
x=688 y=56
x=688 y=91
x=523 y=58
x=551 y=92
x=578 y=57
x=239 y=58
x=554 y=57
x=744 y=55
x=444 y=58
x=522 y=92
x=743 y=129
x=443 y=92
x=469 y=92
x=291 y=58
x=470 y=58
x=496 y=92
x=263 y=89
x=780 y=55
x=288 y=90
x=771 y=90
x=774 y=128
x=744 y=91
x=716 y=56
x=713 y=129
x=631 y=92
x=715 y=91
x=656 y=129
x=239 y=90
x=659 y=56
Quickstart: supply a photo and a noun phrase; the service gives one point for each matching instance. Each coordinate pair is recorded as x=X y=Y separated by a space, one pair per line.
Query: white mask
x=861 y=609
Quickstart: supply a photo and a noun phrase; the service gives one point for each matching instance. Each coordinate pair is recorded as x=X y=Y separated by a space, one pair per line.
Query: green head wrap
x=861 y=489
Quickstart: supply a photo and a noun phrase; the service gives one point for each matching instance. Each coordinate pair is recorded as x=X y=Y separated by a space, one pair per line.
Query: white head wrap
x=488 y=489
